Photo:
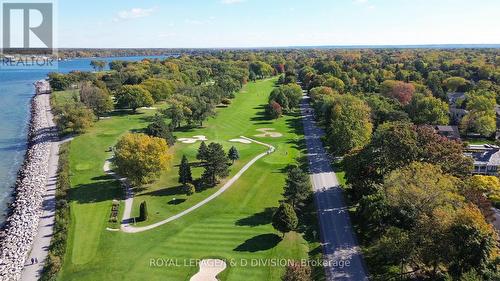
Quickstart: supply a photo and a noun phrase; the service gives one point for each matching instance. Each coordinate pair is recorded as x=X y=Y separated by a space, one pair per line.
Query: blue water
x=16 y=90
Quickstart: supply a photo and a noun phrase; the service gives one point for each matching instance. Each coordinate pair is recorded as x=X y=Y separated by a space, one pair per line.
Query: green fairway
x=234 y=226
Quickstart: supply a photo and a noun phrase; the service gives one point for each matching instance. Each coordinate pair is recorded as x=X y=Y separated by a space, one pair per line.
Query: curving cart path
x=129 y=197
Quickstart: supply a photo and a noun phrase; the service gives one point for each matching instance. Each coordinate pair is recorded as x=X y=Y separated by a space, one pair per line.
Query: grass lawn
x=479 y=141
x=235 y=226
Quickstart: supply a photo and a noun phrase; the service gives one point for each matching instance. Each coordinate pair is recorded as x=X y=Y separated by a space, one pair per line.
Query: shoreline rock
x=21 y=225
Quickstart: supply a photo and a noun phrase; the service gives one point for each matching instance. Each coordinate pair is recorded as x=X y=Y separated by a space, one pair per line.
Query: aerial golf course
x=234 y=226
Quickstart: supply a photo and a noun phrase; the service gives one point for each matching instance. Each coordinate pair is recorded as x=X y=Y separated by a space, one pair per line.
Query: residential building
x=486 y=158
x=450 y=132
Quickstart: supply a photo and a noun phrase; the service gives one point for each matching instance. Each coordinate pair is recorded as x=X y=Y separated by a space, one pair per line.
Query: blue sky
x=259 y=23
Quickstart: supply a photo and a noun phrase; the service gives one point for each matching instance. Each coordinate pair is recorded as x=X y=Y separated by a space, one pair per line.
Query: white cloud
x=167 y=34
x=134 y=13
x=193 y=22
x=200 y=21
x=229 y=2
x=365 y=3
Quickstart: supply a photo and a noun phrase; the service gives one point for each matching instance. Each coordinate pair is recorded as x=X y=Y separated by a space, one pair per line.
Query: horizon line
x=352 y=46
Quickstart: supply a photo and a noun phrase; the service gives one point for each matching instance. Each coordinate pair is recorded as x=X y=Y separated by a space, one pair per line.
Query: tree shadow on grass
x=95 y=192
x=103 y=177
x=168 y=191
x=176 y=201
x=259 y=243
x=261 y=115
x=186 y=129
x=123 y=112
x=262 y=218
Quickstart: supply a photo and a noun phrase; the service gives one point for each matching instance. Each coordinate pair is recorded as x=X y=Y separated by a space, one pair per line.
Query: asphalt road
x=343 y=260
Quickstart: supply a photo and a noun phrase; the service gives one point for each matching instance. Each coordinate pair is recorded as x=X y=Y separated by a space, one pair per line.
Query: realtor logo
x=27 y=32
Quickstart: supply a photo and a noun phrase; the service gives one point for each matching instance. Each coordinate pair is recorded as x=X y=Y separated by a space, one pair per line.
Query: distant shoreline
x=100 y=53
x=347 y=46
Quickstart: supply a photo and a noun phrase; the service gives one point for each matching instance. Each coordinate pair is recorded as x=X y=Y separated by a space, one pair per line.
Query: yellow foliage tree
x=488 y=185
x=141 y=158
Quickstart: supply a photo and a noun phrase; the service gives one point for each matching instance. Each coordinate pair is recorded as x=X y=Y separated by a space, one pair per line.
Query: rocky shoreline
x=21 y=225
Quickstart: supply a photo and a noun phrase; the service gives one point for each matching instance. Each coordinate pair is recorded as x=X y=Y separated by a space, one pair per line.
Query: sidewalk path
x=40 y=247
x=129 y=199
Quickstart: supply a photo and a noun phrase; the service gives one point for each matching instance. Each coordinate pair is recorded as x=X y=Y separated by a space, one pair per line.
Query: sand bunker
x=200 y=138
x=268 y=132
x=241 y=141
x=209 y=268
x=193 y=139
x=148 y=108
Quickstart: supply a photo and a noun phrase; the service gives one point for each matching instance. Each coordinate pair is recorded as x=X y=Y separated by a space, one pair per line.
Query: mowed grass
x=235 y=226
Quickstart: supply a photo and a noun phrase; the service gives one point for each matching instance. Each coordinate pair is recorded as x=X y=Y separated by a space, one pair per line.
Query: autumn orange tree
x=141 y=158
x=401 y=91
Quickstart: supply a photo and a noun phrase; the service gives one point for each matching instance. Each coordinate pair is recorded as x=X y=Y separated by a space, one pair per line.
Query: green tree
x=349 y=126
x=335 y=83
x=98 y=65
x=439 y=150
x=185 y=171
x=285 y=219
x=482 y=123
x=97 y=99
x=216 y=164
x=159 y=128
x=278 y=96
x=202 y=154
x=233 y=154
x=73 y=118
x=472 y=239
x=419 y=189
x=59 y=81
x=177 y=112
x=261 y=69
x=293 y=93
x=143 y=211
x=160 y=89
x=384 y=109
x=317 y=92
x=453 y=83
x=297 y=186
x=428 y=110
x=395 y=247
x=141 y=158
x=133 y=97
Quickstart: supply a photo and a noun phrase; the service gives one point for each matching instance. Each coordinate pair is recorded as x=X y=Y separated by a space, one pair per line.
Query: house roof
x=452 y=97
x=445 y=128
x=484 y=154
x=448 y=131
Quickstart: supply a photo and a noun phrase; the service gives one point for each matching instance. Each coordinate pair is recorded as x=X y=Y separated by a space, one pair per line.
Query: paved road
x=129 y=200
x=338 y=239
x=41 y=243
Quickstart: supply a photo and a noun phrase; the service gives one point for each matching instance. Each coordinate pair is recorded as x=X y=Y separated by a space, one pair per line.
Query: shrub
x=297 y=272
x=57 y=247
x=274 y=110
x=143 y=211
x=189 y=189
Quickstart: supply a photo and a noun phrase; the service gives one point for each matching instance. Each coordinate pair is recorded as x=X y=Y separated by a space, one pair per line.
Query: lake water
x=16 y=90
